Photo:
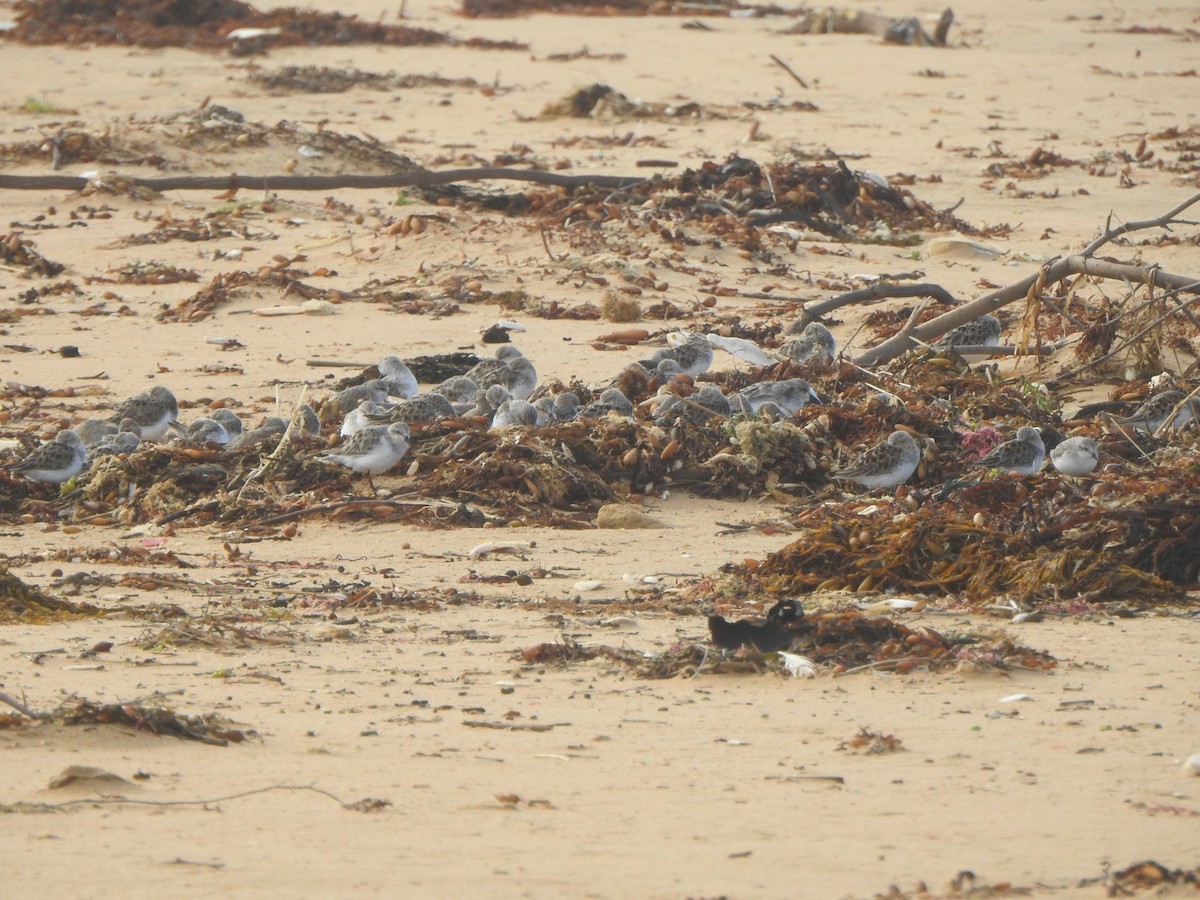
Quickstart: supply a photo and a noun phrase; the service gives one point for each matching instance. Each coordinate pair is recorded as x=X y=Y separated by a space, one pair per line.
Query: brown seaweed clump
x=205 y=24
x=20 y=602
x=1001 y=539
x=159 y=720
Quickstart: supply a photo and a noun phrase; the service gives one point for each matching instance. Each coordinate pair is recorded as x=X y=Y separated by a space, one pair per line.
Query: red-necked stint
x=691 y=351
x=154 y=411
x=815 y=346
x=56 y=461
x=789 y=396
x=373 y=450
x=1075 y=456
x=982 y=332
x=885 y=465
x=1023 y=455
x=1154 y=413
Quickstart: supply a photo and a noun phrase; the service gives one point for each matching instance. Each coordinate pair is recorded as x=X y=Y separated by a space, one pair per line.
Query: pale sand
x=658 y=789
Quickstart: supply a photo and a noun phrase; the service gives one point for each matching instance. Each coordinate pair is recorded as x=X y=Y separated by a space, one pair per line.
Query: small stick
x=779 y=62
x=18 y=706
x=546 y=244
x=274 y=787
x=335 y=364
x=912 y=319
x=883 y=662
x=1166 y=425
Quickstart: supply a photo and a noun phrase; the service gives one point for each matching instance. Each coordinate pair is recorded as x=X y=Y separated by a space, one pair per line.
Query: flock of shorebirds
x=375 y=415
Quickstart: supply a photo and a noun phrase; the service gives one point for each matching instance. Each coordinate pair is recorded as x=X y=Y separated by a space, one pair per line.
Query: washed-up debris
x=327 y=80
x=1151 y=875
x=19 y=251
x=847 y=20
x=211 y=25
x=569 y=651
x=143 y=716
x=215 y=634
x=1000 y=539
x=872 y=743
x=20 y=602
x=741 y=200
x=139 y=715
x=834 y=643
x=604 y=104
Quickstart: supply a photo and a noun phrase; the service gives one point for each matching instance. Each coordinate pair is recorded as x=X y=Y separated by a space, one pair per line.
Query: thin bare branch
x=1163 y=221
x=1052 y=272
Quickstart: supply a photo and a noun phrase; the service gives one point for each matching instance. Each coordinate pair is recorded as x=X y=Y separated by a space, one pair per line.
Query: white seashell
x=1191 y=765
x=514 y=547
x=280 y=311
x=249 y=34
x=310 y=152
x=798 y=666
x=1014 y=698
x=624 y=623
x=588 y=584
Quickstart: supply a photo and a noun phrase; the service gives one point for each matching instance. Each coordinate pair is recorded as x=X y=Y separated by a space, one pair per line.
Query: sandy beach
x=392 y=736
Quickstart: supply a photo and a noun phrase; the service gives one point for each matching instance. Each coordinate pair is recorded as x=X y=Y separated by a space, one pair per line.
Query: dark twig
x=1163 y=221
x=1132 y=339
x=881 y=291
x=106 y=801
x=779 y=62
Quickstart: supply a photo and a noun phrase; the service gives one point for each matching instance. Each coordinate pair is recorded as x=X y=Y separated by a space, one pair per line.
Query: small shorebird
x=1152 y=415
x=815 y=346
x=372 y=451
x=885 y=465
x=1023 y=455
x=1075 y=456
x=55 y=461
x=982 y=332
x=154 y=412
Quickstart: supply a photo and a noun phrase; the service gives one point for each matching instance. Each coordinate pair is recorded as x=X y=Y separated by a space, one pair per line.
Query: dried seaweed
x=1001 y=539
x=735 y=200
x=204 y=24
x=1150 y=875
x=211 y=227
x=215 y=634
x=210 y=729
x=835 y=642
x=20 y=602
x=18 y=251
x=326 y=80
x=604 y=103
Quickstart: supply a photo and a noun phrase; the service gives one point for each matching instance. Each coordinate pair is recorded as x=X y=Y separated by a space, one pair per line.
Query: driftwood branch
x=1053 y=272
x=880 y=291
x=1129 y=341
x=321 y=182
x=18 y=706
x=1163 y=221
